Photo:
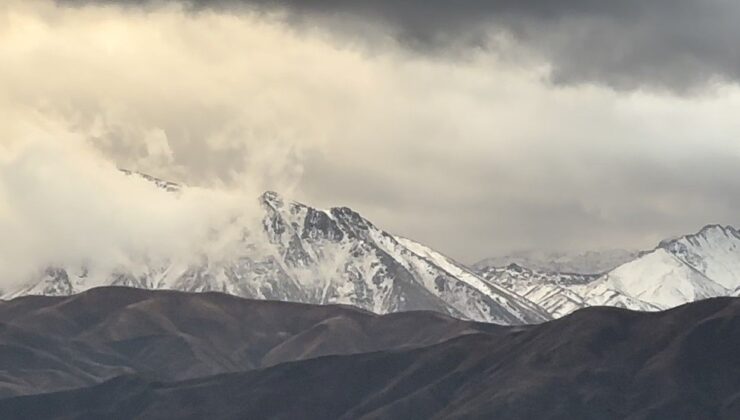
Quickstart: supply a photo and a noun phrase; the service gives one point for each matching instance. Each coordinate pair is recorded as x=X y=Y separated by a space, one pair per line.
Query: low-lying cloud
x=61 y=204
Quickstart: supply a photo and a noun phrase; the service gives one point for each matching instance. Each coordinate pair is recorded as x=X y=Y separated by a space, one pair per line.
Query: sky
x=476 y=127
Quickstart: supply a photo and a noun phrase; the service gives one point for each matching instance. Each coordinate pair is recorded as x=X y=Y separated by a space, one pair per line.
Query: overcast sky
x=476 y=127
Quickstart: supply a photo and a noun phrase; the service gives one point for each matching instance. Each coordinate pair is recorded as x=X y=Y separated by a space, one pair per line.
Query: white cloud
x=62 y=203
x=471 y=155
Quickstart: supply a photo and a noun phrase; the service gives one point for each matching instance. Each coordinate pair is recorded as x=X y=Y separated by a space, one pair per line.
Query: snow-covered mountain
x=713 y=252
x=588 y=262
x=692 y=267
x=320 y=257
x=678 y=271
x=660 y=279
x=303 y=254
x=551 y=290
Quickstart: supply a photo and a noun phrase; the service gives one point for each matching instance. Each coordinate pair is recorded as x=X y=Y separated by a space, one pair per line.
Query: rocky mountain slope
x=603 y=363
x=55 y=343
x=551 y=290
x=303 y=254
x=677 y=271
x=320 y=257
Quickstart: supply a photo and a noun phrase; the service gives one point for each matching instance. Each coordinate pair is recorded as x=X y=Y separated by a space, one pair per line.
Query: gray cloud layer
x=473 y=156
x=680 y=45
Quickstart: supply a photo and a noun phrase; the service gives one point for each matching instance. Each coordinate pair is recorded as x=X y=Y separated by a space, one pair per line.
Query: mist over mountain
x=476 y=151
x=589 y=262
x=297 y=253
x=301 y=254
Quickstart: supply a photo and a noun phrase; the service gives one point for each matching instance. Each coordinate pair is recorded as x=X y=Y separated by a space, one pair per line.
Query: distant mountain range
x=336 y=256
x=677 y=271
x=589 y=262
x=121 y=353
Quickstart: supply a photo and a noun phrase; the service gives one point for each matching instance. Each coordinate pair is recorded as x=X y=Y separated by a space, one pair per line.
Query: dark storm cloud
x=460 y=148
x=681 y=45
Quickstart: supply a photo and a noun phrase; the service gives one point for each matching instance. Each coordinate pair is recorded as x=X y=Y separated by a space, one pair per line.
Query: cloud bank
x=475 y=154
x=63 y=205
x=678 y=45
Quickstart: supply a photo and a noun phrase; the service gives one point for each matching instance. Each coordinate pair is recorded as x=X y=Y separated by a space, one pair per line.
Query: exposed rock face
x=319 y=257
x=303 y=254
x=678 y=271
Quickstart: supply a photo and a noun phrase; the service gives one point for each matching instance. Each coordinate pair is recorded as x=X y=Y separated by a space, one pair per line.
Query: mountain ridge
x=303 y=254
x=320 y=257
x=678 y=270
x=597 y=362
x=58 y=342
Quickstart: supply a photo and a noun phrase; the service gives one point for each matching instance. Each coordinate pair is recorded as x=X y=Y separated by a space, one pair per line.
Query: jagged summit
x=337 y=256
x=713 y=252
x=272 y=198
x=320 y=257
x=680 y=270
x=707 y=233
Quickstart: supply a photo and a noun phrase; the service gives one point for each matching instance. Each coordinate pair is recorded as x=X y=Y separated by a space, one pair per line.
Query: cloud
x=62 y=204
x=474 y=156
x=518 y=165
x=166 y=93
x=88 y=91
x=678 y=45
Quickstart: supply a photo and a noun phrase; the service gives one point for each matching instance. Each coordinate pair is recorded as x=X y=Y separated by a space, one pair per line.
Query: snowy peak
x=319 y=257
x=661 y=279
x=689 y=268
x=336 y=256
x=359 y=264
x=678 y=271
x=714 y=252
x=550 y=290
x=707 y=234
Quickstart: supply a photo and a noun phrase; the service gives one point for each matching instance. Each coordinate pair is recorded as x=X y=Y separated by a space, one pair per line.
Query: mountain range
x=320 y=257
x=589 y=262
x=336 y=256
x=677 y=271
x=55 y=343
x=120 y=353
